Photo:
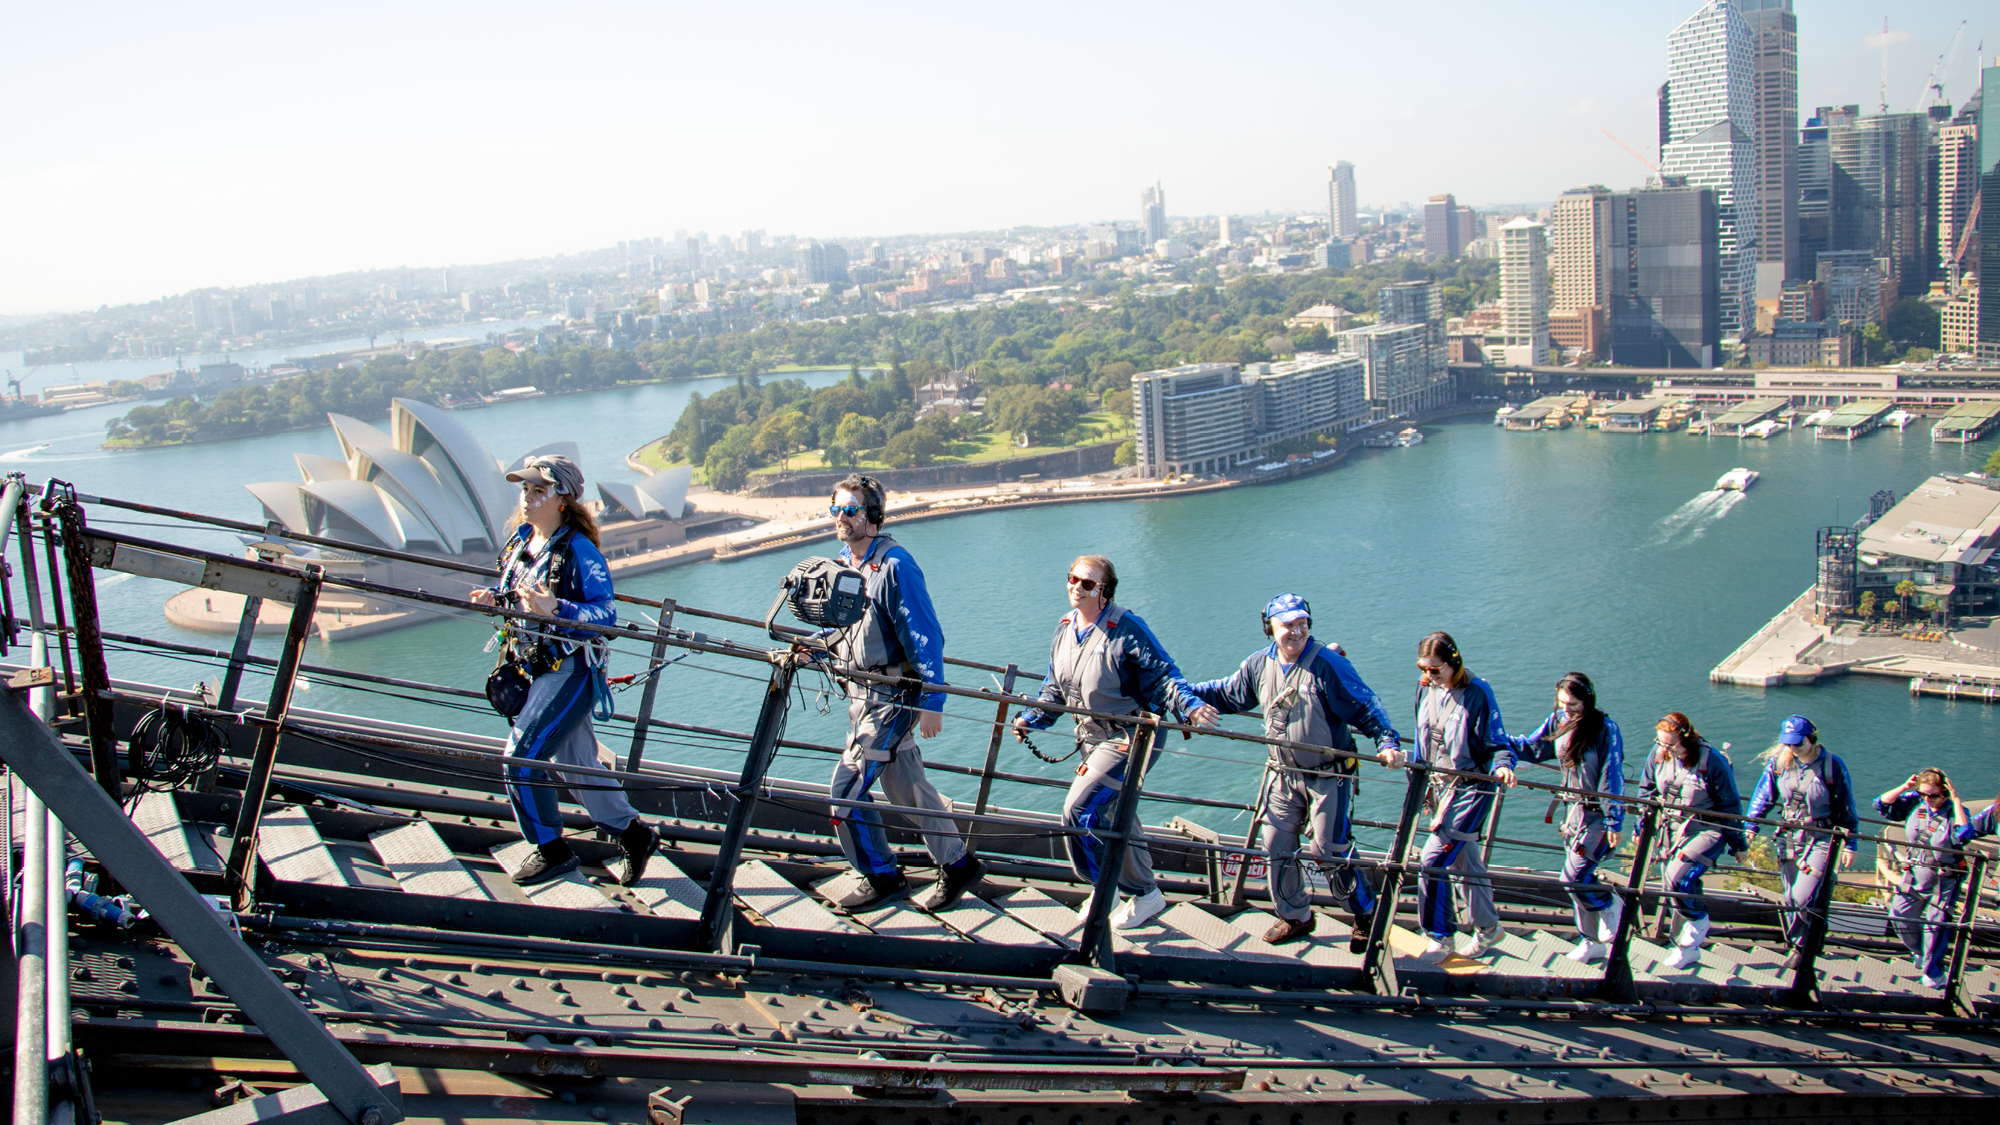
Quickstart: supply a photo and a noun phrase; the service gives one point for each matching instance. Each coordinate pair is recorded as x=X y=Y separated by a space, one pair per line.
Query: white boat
x=1409 y=437
x=1500 y=415
x=1817 y=417
x=1765 y=428
x=1900 y=418
x=1737 y=480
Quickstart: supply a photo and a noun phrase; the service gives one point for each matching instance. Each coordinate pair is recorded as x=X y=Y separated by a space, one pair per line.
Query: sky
x=152 y=149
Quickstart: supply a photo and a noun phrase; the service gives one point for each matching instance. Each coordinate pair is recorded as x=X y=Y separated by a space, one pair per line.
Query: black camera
x=821 y=593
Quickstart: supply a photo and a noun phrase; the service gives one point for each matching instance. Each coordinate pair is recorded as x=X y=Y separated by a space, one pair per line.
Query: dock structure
x=1636 y=416
x=1852 y=420
x=1535 y=415
x=1741 y=417
x=1967 y=422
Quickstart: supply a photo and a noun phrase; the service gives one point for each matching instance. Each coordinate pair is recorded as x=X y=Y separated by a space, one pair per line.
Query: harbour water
x=1540 y=552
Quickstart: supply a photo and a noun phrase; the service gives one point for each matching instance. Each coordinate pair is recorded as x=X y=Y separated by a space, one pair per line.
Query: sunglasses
x=848 y=510
x=1087 y=585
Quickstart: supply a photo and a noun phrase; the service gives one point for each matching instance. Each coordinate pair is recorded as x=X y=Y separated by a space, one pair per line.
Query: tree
x=1903 y=591
x=728 y=463
x=781 y=435
x=1865 y=610
x=1913 y=323
x=1126 y=454
x=855 y=433
x=918 y=445
x=1993 y=463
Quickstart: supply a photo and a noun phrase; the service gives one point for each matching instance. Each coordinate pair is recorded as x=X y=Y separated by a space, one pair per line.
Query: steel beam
x=232 y=677
x=242 y=867
x=636 y=757
x=32 y=750
x=1618 y=984
x=718 y=910
x=1094 y=944
x=31 y=1009
x=1961 y=939
x=89 y=643
x=300 y=1105
x=1378 y=964
x=993 y=742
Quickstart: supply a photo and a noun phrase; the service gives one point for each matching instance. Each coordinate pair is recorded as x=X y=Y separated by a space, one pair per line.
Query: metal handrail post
x=232 y=676
x=243 y=847
x=1378 y=965
x=1618 y=984
x=56 y=602
x=1955 y=990
x=89 y=644
x=10 y=504
x=31 y=972
x=1094 y=945
x=718 y=912
x=1236 y=895
x=993 y=743
x=1492 y=825
x=661 y=630
x=1804 y=990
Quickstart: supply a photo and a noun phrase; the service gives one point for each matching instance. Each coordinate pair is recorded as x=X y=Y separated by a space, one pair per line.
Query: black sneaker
x=1357 y=938
x=952 y=883
x=637 y=843
x=543 y=866
x=880 y=890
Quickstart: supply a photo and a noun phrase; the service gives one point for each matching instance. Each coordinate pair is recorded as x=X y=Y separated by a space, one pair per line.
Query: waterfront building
x=1960 y=316
x=1774 y=31
x=1803 y=343
x=1708 y=116
x=1315 y=393
x=1666 y=292
x=1422 y=303
x=1153 y=213
x=1401 y=375
x=1854 y=287
x=1941 y=537
x=1524 y=293
x=1341 y=201
x=1580 y=249
x=1191 y=419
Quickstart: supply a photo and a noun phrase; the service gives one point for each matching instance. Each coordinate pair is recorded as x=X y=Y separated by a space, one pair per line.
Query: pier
x=1854 y=419
x=1634 y=416
x=1537 y=414
x=1738 y=418
x=1967 y=422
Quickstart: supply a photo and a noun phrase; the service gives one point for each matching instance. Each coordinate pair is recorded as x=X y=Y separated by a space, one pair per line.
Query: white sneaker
x=1434 y=951
x=1136 y=912
x=1934 y=982
x=1682 y=957
x=1607 y=920
x=1587 y=951
x=1693 y=932
x=1083 y=912
x=1478 y=941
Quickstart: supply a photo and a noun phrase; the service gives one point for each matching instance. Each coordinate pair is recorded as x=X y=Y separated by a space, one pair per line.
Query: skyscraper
x=1153 y=213
x=1957 y=186
x=1441 y=228
x=1580 y=249
x=1524 y=291
x=1226 y=230
x=1708 y=111
x=1665 y=277
x=1776 y=94
x=1987 y=341
x=1880 y=198
x=1340 y=200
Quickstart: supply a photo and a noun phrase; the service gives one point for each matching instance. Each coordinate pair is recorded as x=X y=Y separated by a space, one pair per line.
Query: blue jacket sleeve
x=1986 y=823
x=1486 y=727
x=1353 y=701
x=1238 y=692
x=593 y=604
x=1149 y=674
x=1899 y=808
x=1764 y=796
x=917 y=627
x=1539 y=746
x=1722 y=792
x=1613 y=779
x=1035 y=717
x=1842 y=793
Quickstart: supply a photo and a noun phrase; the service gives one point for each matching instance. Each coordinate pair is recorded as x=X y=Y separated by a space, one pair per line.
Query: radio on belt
x=821 y=593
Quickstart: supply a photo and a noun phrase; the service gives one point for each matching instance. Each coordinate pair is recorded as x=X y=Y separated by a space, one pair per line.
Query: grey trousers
x=1457 y=847
x=1802 y=865
x=1092 y=805
x=1323 y=807
x=1921 y=909
x=863 y=839
x=1692 y=857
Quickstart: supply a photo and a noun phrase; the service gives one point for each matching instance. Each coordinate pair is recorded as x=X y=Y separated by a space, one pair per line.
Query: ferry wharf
x=331 y=932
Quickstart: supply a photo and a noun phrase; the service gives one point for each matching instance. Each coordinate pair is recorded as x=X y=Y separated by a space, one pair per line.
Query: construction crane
x=1933 y=91
x=1965 y=239
x=1650 y=166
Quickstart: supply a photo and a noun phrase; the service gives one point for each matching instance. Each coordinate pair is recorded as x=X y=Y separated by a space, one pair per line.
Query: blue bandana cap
x=1795 y=730
x=1285 y=608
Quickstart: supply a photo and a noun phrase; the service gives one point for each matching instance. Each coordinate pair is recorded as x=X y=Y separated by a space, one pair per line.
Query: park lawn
x=654 y=457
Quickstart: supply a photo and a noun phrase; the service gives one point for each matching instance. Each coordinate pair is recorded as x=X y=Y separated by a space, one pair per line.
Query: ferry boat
x=1382 y=440
x=1767 y=428
x=1900 y=418
x=1410 y=437
x=1500 y=415
x=1817 y=417
x=1737 y=480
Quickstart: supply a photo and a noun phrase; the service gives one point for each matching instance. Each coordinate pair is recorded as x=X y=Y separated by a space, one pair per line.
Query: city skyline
x=491 y=134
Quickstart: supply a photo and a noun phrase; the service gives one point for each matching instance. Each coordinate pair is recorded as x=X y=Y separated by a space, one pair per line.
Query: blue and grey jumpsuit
x=554 y=723
x=1318 y=701
x=1815 y=796
x=1921 y=909
x=1115 y=666
x=1588 y=821
x=1694 y=839
x=1459 y=729
x=898 y=635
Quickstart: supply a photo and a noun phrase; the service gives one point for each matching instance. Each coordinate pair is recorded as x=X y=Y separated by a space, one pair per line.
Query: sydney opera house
x=429 y=487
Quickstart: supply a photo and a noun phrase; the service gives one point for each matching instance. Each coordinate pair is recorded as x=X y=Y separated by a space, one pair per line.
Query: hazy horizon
x=158 y=150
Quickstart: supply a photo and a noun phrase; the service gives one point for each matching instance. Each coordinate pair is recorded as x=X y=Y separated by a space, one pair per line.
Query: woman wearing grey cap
x=552 y=566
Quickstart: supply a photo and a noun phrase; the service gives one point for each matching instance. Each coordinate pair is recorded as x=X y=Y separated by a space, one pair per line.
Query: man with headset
x=1308 y=693
x=898 y=635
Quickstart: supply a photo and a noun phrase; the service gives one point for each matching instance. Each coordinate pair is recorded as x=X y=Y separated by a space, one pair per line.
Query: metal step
x=1648 y=963
x=1226 y=939
x=896 y=919
x=423 y=865
x=1042 y=914
x=1752 y=967
x=667 y=892
x=983 y=922
x=569 y=892
x=1327 y=947
x=290 y=846
x=772 y=897
x=1551 y=956
x=156 y=815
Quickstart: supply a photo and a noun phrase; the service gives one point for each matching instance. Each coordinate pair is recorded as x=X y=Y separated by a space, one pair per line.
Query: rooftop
x=1946 y=520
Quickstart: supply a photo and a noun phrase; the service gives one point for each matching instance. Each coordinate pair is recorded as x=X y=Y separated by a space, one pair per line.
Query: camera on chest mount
x=821 y=593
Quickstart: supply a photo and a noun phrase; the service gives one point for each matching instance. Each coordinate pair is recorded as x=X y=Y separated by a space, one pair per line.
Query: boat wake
x=1692 y=520
x=28 y=454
